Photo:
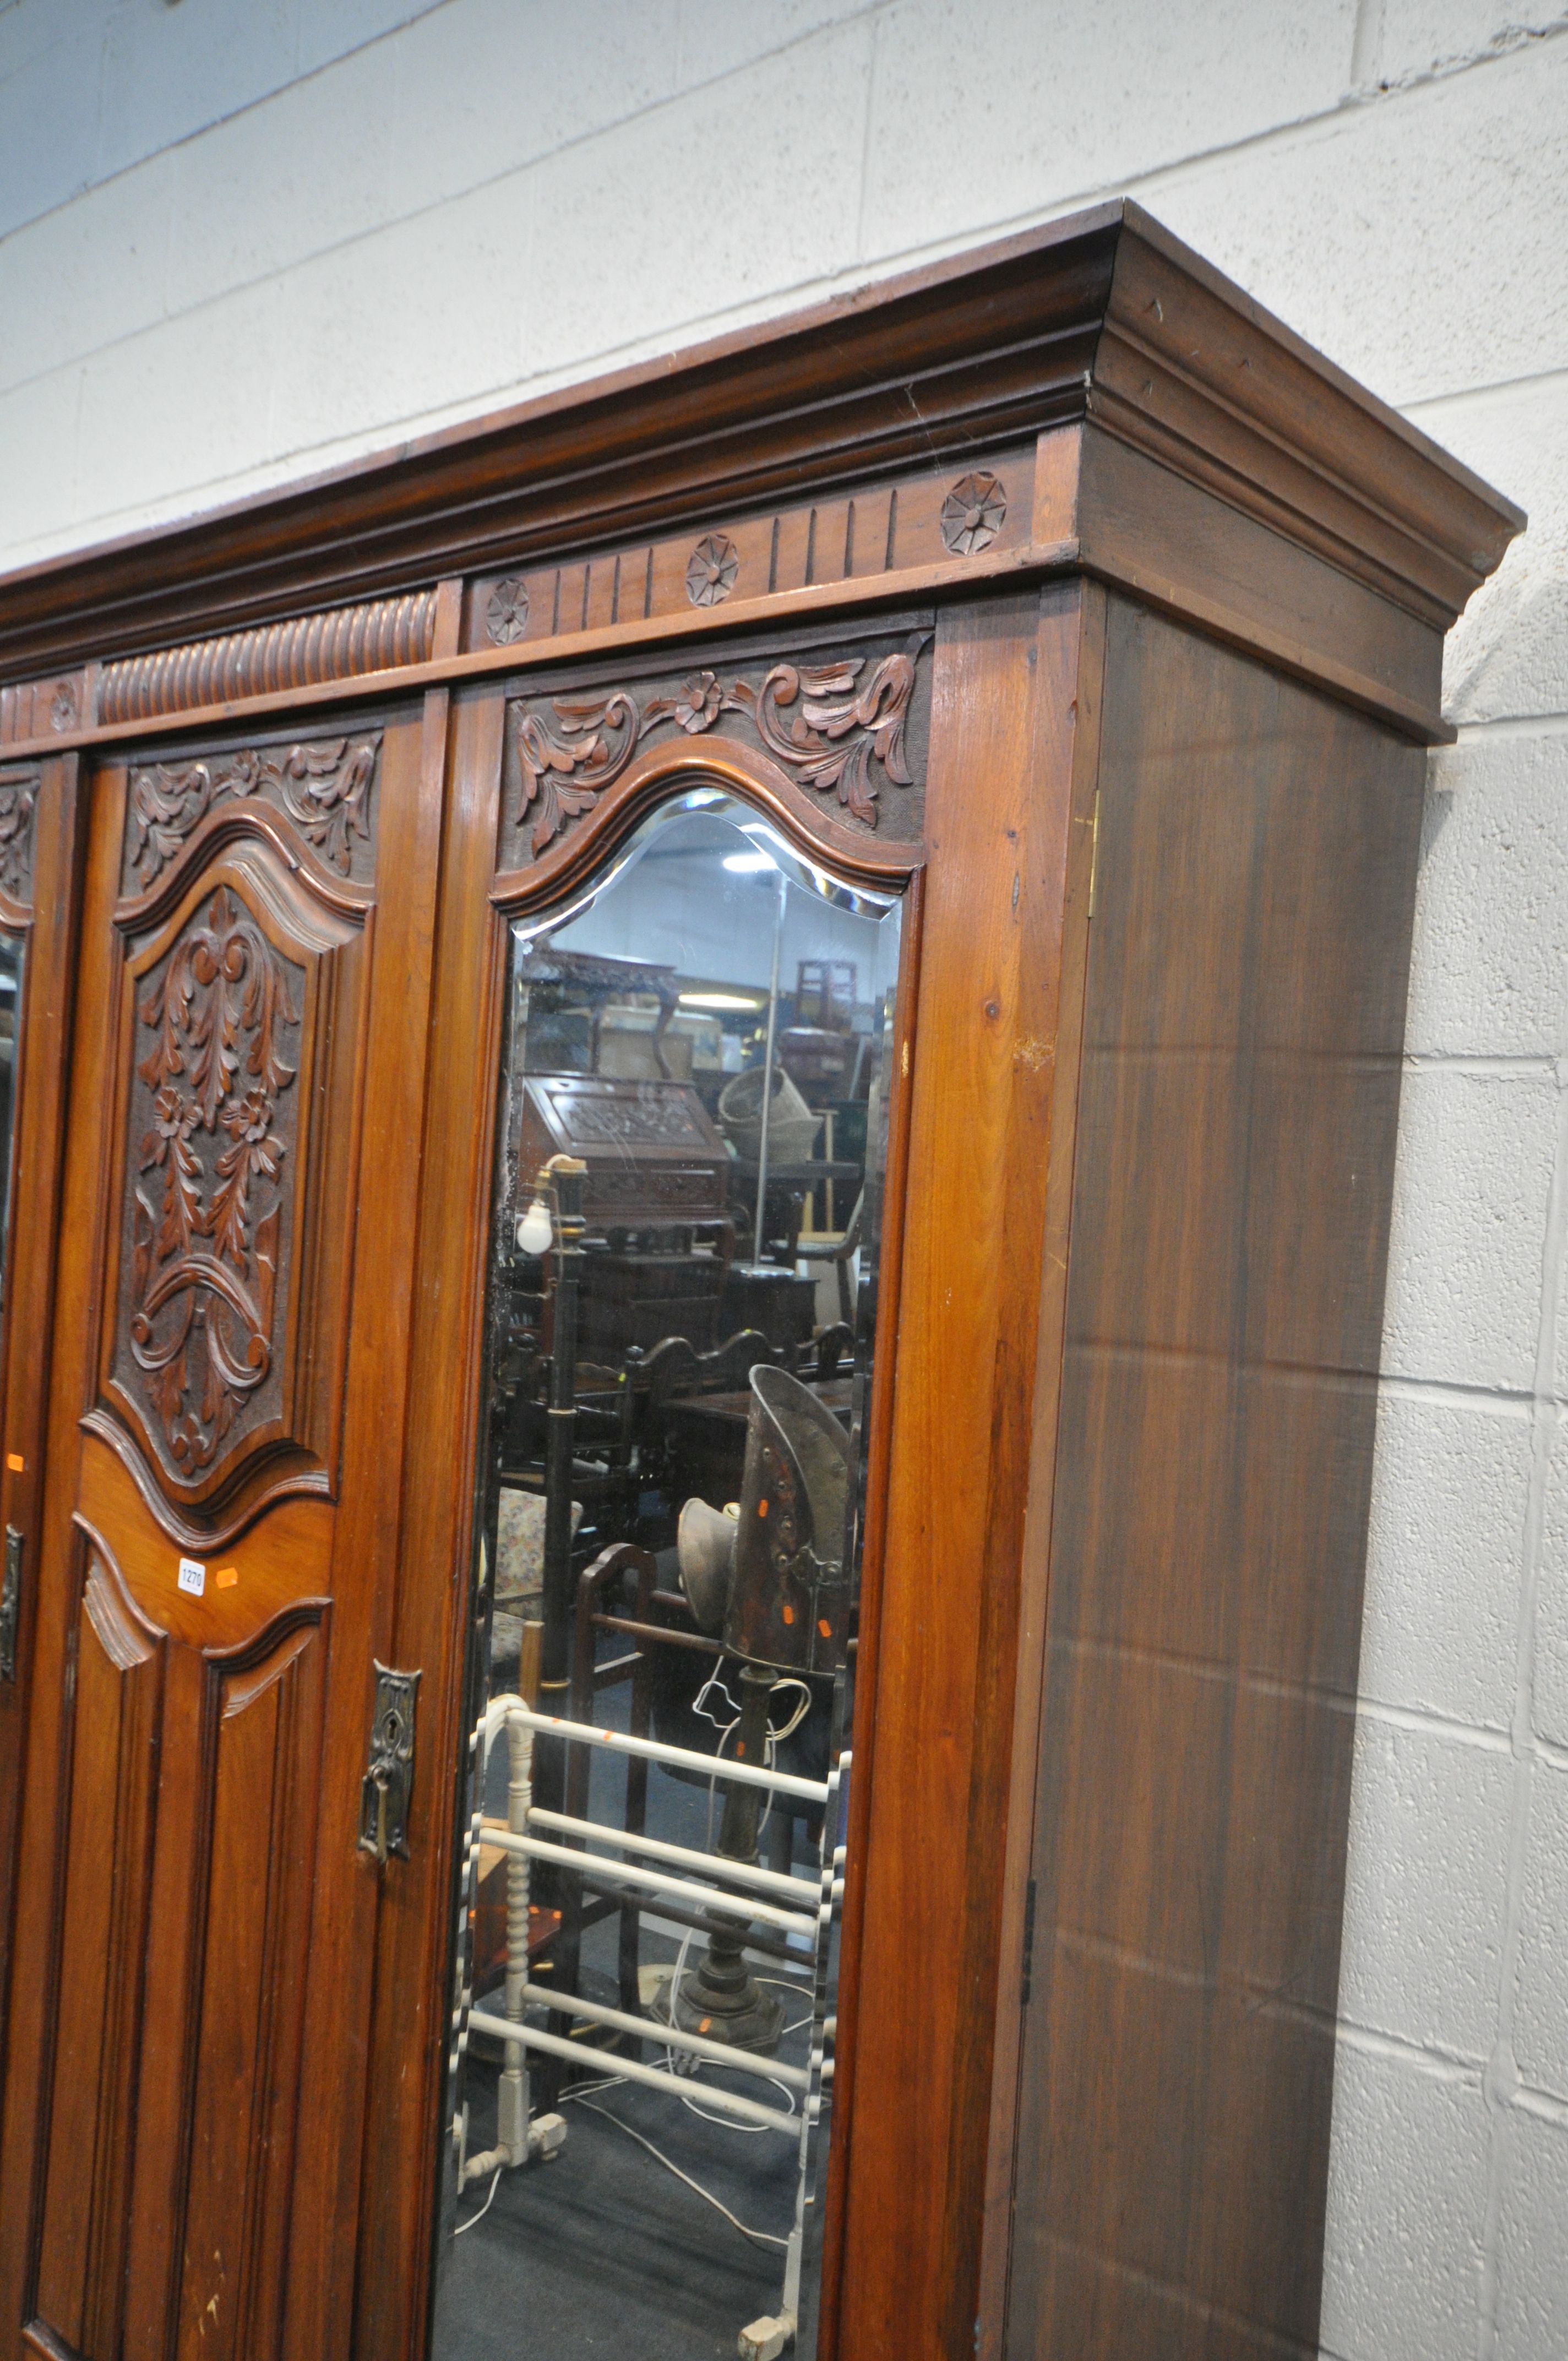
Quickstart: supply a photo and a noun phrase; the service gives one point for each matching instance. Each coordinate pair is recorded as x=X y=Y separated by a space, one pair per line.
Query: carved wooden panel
x=18 y=815
x=265 y=1708
x=236 y=1139
x=323 y=788
x=843 y=729
x=924 y=519
x=116 y=1723
x=44 y=709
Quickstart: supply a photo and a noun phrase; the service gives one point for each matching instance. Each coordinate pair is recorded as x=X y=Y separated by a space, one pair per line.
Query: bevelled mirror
x=680 y=1323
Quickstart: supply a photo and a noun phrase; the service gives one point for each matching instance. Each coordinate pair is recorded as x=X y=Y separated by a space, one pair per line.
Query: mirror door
x=679 y=1326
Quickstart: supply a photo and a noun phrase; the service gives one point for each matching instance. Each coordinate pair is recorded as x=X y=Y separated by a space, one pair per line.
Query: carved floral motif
x=826 y=723
x=973 y=513
x=325 y=788
x=506 y=611
x=207 y=1206
x=18 y=802
x=712 y=570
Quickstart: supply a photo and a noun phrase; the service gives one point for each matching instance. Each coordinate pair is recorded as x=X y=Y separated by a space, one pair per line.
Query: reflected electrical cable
x=757 y=2237
x=473 y=2218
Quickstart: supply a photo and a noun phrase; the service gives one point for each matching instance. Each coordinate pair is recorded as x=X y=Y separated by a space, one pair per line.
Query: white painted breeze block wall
x=240 y=239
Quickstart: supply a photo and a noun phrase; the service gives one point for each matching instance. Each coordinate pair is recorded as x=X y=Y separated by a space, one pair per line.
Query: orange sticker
x=762 y=1508
x=789 y=1615
x=826 y=1628
x=14 y=1462
x=225 y=1577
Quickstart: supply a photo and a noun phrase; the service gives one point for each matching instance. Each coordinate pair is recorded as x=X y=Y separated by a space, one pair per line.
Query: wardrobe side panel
x=1239 y=1097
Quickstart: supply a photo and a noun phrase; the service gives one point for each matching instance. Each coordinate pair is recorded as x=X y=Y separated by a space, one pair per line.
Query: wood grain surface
x=48 y=930
x=1235 y=1137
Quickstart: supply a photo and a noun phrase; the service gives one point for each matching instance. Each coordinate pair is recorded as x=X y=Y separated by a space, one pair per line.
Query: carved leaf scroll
x=835 y=727
x=325 y=788
x=18 y=805
x=207 y=1199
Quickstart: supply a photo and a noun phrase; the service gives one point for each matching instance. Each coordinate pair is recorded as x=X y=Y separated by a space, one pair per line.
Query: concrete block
x=1445 y=1559
x=307 y=170
x=487 y=85
x=322 y=33
x=169 y=415
x=1489 y=974
x=982 y=118
x=687 y=247
x=1507 y=655
x=1414 y=38
x=1551 y=1686
x=1470 y=1182
x=170 y=72
x=1532 y=2249
x=1426 y=1887
x=1416 y=240
x=1541 y=1990
x=37 y=463
x=28 y=27
x=716 y=37
x=389 y=328
x=48 y=127
x=88 y=273
x=1406 y=2213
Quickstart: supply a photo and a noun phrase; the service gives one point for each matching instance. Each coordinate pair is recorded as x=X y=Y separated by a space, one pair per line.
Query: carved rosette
x=973 y=513
x=18 y=812
x=323 y=788
x=214 y=1124
x=506 y=612
x=712 y=570
x=838 y=728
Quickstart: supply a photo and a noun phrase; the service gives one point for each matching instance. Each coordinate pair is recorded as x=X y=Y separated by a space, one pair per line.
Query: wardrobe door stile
x=45 y=870
x=412 y=2028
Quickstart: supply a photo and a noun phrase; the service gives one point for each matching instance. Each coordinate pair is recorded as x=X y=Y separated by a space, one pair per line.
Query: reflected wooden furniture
x=1061 y=589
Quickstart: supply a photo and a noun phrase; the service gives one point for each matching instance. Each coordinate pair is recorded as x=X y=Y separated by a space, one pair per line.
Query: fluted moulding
x=342 y=644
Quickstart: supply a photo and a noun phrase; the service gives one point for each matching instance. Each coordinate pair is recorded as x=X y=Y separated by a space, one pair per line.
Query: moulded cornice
x=1102 y=315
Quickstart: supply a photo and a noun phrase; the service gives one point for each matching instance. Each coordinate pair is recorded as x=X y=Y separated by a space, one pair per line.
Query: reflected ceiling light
x=748 y=865
x=718 y=1000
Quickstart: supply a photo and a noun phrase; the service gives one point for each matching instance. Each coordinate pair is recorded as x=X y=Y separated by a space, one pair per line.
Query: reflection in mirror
x=680 y=1322
x=10 y=1045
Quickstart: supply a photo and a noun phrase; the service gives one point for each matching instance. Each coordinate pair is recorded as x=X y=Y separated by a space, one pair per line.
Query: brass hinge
x=10 y=1603
x=389 y=1774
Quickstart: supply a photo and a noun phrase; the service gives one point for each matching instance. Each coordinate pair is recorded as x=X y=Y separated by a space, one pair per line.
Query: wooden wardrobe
x=1061 y=607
